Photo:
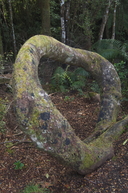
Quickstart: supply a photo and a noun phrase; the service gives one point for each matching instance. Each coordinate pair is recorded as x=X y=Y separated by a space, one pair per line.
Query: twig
x=15 y=140
x=52 y=93
x=19 y=134
x=89 y=180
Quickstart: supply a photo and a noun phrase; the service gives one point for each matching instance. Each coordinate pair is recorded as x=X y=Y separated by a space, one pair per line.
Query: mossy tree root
x=45 y=125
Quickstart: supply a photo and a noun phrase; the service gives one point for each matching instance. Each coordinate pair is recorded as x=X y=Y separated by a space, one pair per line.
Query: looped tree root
x=45 y=125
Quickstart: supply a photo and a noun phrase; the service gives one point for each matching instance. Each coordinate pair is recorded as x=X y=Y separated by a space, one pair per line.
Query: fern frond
x=111 y=49
x=81 y=72
x=59 y=70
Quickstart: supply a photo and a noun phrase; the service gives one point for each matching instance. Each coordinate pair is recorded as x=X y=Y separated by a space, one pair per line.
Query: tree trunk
x=65 y=10
x=63 y=27
x=1 y=45
x=1 y=48
x=1 y=55
x=104 y=20
x=12 y=26
x=45 y=125
x=44 y=5
x=114 y=20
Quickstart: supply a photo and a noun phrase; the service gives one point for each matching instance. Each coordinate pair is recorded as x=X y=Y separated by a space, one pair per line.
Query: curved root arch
x=45 y=125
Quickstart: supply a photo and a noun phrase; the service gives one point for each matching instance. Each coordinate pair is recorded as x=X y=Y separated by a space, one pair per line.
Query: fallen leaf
x=47 y=184
x=47 y=175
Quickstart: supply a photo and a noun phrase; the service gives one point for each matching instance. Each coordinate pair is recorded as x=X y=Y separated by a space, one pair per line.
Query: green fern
x=111 y=49
x=65 y=80
x=81 y=73
x=61 y=80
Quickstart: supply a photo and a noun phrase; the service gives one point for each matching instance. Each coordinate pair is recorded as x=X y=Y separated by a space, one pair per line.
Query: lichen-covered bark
x=45 y=125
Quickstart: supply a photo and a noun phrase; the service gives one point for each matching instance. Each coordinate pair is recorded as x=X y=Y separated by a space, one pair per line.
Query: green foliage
x=24 y=15
x=9 y=146
x=64 y=80
x=4 y=59
x=1 y=64
x=18 y=165
x=8 y=56
x=122 y=20
x=35 y=189
x=111 y=49
x=61 y=80
x=122 y=71
x=82 y=28
x=84 y=18
x=3 y=111
x=95 y=87
x=124 y=143
x=55 y=19
x=68 y=98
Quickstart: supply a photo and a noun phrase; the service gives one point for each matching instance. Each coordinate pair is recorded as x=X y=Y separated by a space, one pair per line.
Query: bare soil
x=44 y=170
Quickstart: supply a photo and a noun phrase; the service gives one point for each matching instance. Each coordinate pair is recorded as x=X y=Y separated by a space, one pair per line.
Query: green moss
x=100 y=143
x=34 y=119
x=87 y=162
x=21 y=116
x=98 y=150
x=116 y=136
x=114 y=158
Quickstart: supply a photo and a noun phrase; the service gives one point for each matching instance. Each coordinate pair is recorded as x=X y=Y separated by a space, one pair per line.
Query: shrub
x=95 y=87
x=123 y=74
x=64 y=80
x=18 y=165
x=3 y=110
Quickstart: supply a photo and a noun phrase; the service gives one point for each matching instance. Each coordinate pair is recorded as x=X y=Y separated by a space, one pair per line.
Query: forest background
x=95 y=25
x=76 y=23
x=82 y=22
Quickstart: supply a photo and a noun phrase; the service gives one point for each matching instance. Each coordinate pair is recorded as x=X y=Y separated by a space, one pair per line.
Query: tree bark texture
x=1 y=42
x=65 y=15
x=45 y=125
x=1 y=48
x=44 y=6
x=1 y=45
x=12 y=26
x=104 y=20
x=114 y=21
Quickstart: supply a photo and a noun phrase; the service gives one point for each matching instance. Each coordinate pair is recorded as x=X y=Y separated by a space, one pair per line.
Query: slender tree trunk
x=65 y=15
x=1 y=45
x=114 y=21
x=67 y=19
x=12 y=26
x=63 y=25
x=1 y=55
x=104 y=20
x=44 y=6
x=45 y=125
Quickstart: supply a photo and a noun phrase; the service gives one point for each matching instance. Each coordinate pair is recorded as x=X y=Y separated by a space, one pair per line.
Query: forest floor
x=47 y=172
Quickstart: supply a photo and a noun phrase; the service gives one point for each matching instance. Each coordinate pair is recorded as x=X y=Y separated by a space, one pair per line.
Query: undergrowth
x=3 y=111
x=122 y=71
x=35 y=189
x=65 y=80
